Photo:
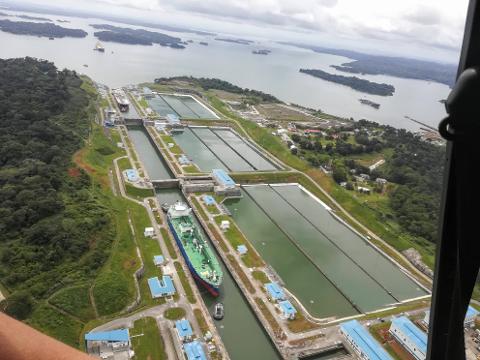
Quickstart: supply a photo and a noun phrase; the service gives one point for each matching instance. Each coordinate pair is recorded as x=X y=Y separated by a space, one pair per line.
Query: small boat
x=165 y=207
x=85 y=65
x=99 y=47
x=219 y=311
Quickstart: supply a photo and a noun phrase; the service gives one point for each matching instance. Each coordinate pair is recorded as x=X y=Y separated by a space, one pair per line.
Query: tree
x=340 y=174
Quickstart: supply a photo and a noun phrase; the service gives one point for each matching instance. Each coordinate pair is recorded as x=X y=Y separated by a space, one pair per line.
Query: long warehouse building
x=362 y=342
x=410 y=337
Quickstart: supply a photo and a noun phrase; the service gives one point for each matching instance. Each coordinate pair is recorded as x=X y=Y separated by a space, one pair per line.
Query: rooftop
x=183 y=328
x=417 y=336
x=287 y=307
x=194 y=351
x=222 y=177
x=119 y=335
x=158 y=259
x=132 y=174
x=275 y=291
x=208 y=199
x=242 y=249
x=364 y=340
x=161 y=288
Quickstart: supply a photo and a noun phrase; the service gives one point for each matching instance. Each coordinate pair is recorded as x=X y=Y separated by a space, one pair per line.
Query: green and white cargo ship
x=200 y=258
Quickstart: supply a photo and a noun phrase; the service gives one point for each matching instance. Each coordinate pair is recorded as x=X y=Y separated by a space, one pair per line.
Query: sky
x=430 y=29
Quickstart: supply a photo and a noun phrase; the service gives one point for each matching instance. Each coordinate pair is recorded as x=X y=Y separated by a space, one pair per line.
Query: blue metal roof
x=275 y=291
x=132 y=174
x=412 y=332
x=161 y=288
x=194 y=351
x=183 y=327
x=242 y=249
x=112 y=336
x=208 y=199
x=287 y=307
x=223 y=177
x=471 y=312
x=158 y=259
x=364 y=340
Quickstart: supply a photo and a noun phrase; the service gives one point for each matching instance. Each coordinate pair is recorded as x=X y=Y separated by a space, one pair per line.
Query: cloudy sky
x=414 y=28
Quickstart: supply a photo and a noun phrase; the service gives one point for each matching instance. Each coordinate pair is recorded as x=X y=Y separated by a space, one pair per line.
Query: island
x=136 y=36
x=261 y=52
x=27 y=17
x=203 y=43
x=388 y=65
x=353 y=82
x=236 y=41
x=40 y=29
x=63 y=21
x=369 y=103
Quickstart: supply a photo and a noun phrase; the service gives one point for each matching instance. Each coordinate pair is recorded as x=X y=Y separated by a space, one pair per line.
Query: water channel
x=240 y=330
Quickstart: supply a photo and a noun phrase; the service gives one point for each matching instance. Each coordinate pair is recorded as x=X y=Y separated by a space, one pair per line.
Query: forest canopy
x=48 y=217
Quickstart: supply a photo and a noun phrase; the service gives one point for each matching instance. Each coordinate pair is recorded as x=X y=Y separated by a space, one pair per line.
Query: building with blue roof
x=288 y=310
x=410 y=337
x=161 y=288
x=120 y=335
x=194 y=351
x=158 y=260
x=470 y=317
x=275 y=291
x=242 y=249
x=362 y=342
x=208 y=200
x=222 y=178
x=113 y=344
x=132 y=175
x=184 y=329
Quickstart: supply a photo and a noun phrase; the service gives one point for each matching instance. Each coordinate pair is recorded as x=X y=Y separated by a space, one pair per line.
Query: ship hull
x=213 y=290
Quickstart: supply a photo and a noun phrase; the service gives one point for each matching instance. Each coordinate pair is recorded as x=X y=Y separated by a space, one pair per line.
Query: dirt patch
x=128 y=264
x=400 y=351
x=74 y=172
x=78 y=159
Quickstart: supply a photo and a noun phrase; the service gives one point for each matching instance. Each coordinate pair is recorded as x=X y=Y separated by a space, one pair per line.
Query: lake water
x=276 y=73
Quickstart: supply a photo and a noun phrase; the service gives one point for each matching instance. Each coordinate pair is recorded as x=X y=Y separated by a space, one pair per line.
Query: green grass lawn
x=150 y=345
x=124 y=164
x=175 y=149
x=202 y=212
x=175 y=313
x=138 y=193
x=186 y=285
x=260 y=276
x=76 y=301
x=236 y=238
x=168 y=241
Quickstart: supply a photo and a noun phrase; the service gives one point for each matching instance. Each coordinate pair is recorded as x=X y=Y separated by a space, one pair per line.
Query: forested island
x=236 y=41
x=261 y=52
x=387 y=65
x=54 y=230
x=354 y=82
x=136 y=36
x=28 y=17
x=40 y=29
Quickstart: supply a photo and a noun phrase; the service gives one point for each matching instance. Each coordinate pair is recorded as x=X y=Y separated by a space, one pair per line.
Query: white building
x=410 y=337
x=149 y=232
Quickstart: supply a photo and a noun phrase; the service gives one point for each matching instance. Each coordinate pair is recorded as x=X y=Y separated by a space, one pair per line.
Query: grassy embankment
x=149 y=343
x=113 y=289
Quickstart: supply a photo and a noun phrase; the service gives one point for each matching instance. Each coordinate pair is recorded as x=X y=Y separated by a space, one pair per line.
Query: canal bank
x=241 y=333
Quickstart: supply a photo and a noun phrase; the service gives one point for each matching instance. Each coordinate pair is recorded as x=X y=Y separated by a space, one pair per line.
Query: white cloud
x=428 y=23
